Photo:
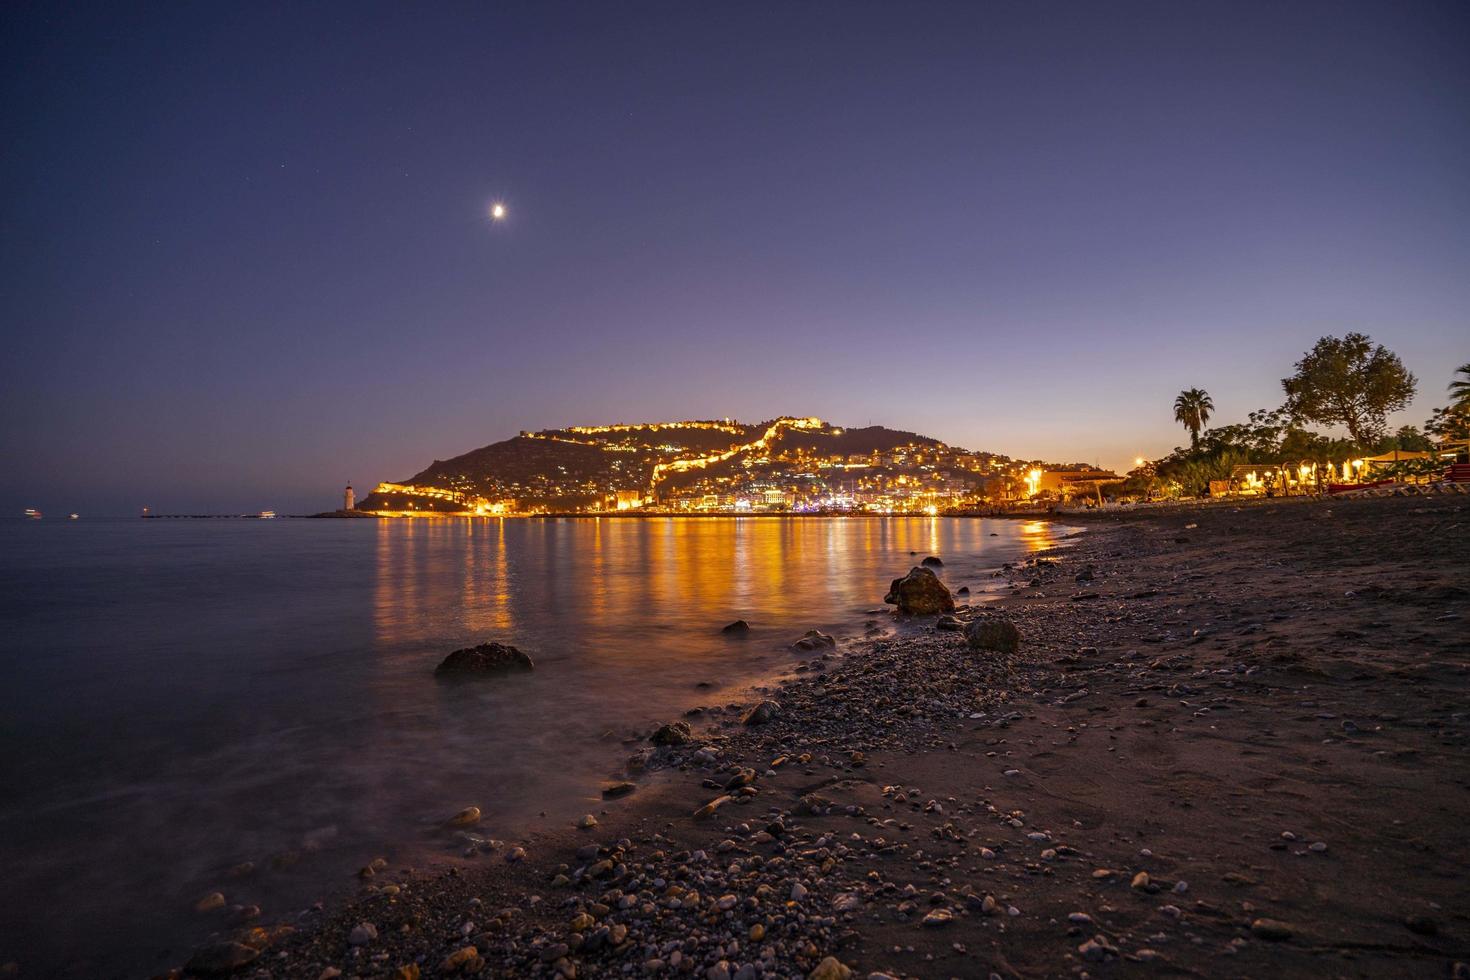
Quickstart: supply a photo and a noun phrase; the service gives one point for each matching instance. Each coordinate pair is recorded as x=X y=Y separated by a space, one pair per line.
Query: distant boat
x=72 y=517
x=266 y=515
x=33 y=514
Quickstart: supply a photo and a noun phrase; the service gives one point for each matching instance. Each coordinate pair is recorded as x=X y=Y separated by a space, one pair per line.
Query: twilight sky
x=244 y=253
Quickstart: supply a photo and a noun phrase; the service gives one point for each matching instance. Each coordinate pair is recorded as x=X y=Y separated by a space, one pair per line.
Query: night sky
x=245 y=254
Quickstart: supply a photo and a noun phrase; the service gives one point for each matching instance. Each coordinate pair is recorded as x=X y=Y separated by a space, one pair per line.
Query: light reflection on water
x=183 y=696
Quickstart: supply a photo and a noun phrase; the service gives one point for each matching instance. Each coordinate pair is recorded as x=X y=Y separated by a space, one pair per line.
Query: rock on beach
x=674 y=733
x=993 y=634
x=814 y=640
x=485 y=660
x=920 y=593
x=761 y=713
x=467 y=817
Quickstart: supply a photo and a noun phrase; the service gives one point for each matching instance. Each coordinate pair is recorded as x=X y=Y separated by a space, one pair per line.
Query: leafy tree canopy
x=1450 y=423
x=1349 y=381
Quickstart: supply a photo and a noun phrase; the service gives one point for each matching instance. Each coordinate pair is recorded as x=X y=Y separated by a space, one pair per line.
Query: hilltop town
x=785 y=465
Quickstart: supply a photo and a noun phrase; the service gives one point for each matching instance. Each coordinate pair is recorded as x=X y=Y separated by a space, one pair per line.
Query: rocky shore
x=1230 y=741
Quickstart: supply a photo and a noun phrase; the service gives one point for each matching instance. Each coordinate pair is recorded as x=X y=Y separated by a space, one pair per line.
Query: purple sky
x=244 y=255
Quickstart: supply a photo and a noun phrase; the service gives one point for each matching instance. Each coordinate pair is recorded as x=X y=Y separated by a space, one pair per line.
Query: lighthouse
x=347 y=498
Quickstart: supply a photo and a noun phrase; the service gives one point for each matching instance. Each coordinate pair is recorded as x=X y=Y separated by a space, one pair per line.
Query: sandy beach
x=1231 y=743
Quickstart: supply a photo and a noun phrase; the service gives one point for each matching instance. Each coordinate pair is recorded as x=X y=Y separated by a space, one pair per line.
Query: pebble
x=362 y=934
x=709 y=809
x=830 y=968
x=938 y=917
x=210 y=903
x=467 y=817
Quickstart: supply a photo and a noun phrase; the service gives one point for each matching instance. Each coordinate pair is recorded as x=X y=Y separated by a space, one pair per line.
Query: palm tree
x=1192 y=410
x=1460 y=388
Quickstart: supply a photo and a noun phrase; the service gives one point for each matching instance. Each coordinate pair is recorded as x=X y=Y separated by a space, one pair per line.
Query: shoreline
x=1017 y=857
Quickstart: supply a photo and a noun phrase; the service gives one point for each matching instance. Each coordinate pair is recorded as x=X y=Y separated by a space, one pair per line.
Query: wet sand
x=1232 y=743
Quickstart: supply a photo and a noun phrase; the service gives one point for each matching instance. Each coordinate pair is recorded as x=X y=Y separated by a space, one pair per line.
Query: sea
x=182 y=697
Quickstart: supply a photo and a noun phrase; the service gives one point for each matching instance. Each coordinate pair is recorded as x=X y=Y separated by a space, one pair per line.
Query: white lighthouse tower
x=347 y=499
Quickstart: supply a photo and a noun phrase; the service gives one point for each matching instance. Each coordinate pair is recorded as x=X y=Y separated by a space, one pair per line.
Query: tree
x=1192 y=410
x=1449 y=423
x=1350 y=382
x=1460 y=388
x=1408 y=439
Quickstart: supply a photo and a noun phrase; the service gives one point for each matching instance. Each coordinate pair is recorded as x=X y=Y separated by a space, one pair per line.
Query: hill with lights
x=785 y=464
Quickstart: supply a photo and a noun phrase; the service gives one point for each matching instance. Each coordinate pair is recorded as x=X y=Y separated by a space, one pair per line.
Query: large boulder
x=993 y=633
x=485 y=660
x=920 y=593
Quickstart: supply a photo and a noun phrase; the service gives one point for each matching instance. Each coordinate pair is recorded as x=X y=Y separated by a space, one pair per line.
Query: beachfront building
x=627 y=500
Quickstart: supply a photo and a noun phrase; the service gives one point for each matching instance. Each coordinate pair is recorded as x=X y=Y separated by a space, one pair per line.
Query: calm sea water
x=179 y=697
